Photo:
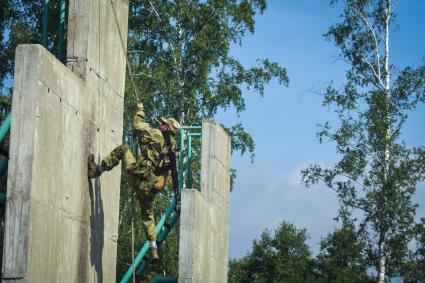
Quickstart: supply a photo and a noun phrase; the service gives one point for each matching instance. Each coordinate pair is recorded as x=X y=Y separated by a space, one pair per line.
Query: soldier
x=148 y=174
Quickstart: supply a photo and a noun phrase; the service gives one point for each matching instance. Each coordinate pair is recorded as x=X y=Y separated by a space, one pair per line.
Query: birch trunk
x=382 y=240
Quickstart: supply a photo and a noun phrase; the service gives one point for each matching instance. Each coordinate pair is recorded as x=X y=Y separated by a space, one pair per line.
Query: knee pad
x=120 y=151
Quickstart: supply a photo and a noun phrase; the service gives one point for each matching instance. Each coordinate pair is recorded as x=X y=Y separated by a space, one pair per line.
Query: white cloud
x=265 y=196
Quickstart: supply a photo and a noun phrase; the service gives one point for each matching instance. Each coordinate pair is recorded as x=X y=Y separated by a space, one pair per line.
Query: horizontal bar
x=164 y=279
x=195 y=134
x=191 y=127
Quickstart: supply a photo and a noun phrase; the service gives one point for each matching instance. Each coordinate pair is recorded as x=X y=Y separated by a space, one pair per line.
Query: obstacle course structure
x=61 y=226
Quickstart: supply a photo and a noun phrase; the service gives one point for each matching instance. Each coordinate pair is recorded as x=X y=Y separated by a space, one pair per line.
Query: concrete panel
x=204 y=220
x=61 y=227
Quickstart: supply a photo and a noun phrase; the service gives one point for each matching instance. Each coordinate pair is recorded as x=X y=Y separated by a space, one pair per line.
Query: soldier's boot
x=154 y=254
x=93 y=169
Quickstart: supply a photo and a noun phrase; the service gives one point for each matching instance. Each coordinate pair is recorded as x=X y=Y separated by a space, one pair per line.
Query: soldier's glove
x=139 y=105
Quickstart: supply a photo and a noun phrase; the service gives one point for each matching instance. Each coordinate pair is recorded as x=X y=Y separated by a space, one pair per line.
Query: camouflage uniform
x=144 y=174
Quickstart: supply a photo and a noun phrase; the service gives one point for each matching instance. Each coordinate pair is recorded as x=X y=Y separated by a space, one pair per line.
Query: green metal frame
x=61 y=41
x=4 y=129
x=5 y=126
x=172 y=213
x=190 y=134
x=61 y=52
x=45 y=23
x=164 y=279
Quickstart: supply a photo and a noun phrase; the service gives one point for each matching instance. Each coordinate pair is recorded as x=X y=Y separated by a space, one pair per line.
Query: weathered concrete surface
x=60 y=227
x=204 y=219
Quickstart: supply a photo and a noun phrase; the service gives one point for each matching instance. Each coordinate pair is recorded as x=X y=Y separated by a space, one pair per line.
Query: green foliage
x=341 y=256
x=414 y=268
x=20 y=22
x=377 y=174
x=179 y=52
x=281 y=256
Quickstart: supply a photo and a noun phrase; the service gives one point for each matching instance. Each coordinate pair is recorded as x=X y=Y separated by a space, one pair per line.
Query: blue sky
x=283 y=123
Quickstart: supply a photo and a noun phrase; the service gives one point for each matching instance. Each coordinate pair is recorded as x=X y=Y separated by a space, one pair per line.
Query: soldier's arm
x=139 y=122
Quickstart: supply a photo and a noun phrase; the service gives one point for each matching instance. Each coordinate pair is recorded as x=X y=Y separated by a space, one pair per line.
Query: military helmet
x=174 y=125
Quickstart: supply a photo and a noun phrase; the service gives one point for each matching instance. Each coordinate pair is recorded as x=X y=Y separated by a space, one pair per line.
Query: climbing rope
x=132 y=236
x=124 y=50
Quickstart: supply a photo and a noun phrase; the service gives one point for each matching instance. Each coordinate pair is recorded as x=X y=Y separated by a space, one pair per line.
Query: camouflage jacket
x=151 y=141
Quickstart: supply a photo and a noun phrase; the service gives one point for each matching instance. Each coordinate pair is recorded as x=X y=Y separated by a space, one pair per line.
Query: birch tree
x=377 y=174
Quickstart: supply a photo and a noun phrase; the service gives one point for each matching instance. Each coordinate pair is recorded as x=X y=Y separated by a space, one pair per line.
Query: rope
x=124 y=49
x=132 y=236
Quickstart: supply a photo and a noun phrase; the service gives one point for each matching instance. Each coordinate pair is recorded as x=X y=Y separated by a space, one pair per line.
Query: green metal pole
x=181 y=157
x=2 y=198
x=189 y=156
x=45 y=22
x=189 y=159
x=61 y=45
x=3 y=165
x=5 y=126
x=193 y=127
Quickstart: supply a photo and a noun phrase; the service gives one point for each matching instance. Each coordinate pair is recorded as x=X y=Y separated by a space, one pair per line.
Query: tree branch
x=144 y=74
x=375 y=74
x=352 y=179
x=168 y=41
x=377 y=54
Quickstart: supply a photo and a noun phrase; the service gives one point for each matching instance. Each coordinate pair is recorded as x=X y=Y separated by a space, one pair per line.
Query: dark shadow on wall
x=97 y=226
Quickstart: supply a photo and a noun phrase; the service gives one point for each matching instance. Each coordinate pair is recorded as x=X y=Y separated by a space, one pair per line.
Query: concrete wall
x=61 y=227
x=204 y=220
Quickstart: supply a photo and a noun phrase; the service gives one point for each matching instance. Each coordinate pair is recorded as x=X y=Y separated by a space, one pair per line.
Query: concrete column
x=204 y=220
x=60 y=226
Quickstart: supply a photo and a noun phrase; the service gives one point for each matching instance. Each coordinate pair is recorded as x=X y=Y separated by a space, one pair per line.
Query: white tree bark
x=382 y=238
x=382 y=261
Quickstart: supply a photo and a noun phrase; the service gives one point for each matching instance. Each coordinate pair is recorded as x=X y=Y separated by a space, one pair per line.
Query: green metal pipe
x=181 y=157
x=45 y=23
x=164 y=279
x=193 y=127
x=188 y=165
x=61 y=45
x=5 y=126
x=3 y=165
x=145 y=247
x=195 y=134
x=2 y=198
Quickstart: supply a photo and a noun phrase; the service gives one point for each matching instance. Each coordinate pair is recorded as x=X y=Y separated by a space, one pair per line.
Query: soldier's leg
x=109 y=162
x=114 y=158
x=146 y=197
x=145 y=168
x=146 y=200
x=130 y=162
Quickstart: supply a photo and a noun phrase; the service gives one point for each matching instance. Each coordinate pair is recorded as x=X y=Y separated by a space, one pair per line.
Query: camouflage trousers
x=142 y=180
